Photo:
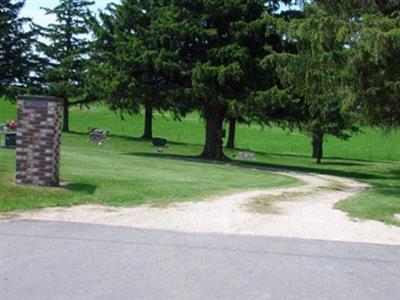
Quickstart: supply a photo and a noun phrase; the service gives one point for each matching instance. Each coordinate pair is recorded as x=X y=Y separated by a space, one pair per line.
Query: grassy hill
x=127 y=170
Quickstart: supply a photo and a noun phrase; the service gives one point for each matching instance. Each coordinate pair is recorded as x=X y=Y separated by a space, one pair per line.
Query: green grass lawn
x=127 y=170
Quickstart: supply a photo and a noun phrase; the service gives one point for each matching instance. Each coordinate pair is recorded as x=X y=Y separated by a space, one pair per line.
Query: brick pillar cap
x=40 y=98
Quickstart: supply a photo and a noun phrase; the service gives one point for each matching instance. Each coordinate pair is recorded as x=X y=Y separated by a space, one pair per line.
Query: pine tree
x=220 y=44
x=15 y=47
x=316 y=73
x=374 y=66
x=66 y=48
x=135 y=66
x=269 y=102
x=373 y=39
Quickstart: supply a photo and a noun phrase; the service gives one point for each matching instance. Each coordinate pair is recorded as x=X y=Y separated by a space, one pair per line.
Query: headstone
x=247 y=155
x=98 y=136
x=38 y=140
x=10 y=140
x=159 y=142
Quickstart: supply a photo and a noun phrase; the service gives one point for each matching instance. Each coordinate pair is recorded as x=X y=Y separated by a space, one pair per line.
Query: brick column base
x=38 y=140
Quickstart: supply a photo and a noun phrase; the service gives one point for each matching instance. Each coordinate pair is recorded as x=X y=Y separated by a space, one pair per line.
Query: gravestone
x=159 y=142
x=98 y=136
x=38 y=140
x=247 y=155
x=10 y=140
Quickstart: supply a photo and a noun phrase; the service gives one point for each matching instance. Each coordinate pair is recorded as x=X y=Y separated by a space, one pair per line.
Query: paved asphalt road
x=56 y=260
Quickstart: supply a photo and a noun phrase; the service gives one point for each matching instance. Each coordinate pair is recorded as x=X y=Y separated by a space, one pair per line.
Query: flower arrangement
x=11 y=124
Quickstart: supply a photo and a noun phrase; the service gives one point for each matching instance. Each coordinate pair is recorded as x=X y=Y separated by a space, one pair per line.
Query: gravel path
x=310 y=216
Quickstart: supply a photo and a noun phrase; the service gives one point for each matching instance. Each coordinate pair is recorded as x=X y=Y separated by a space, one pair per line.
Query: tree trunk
x=148 y=122
x=65 y=127
x=213 y=142
x=232 y=132
x=317 y=144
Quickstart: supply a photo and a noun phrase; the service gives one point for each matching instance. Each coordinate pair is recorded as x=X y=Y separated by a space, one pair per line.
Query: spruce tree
x=373 y=39
x=316 y=73
x=269 y=102
x=135 y=66
x=220 y=44
x=375 y=68
x=16 y=59
x=66 y=48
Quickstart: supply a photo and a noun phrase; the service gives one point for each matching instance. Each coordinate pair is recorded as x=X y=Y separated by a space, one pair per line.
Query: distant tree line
x=321 y=67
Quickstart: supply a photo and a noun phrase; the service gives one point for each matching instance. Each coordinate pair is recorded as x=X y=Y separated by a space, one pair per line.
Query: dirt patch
x=267 y=204
x=310 y=216
x=333 y=185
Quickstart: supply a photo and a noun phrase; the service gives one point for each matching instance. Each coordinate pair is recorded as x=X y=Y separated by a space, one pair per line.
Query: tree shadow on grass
x=331 y=162
x=334 y=172
x=270 y=154
x=297 y=155
x=135 y=139
x=342 y=163
x=272 y=166
x=83 y=188
x=396 y=172
x=388 y=191
x=352 y=161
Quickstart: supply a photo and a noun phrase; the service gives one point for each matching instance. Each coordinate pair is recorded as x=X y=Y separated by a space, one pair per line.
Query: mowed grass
x=371 y=144
x=371 y=156
x=127 y=170
x=124 y=172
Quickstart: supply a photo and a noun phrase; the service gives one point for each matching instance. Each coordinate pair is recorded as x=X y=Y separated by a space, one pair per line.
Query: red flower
x=11 y=124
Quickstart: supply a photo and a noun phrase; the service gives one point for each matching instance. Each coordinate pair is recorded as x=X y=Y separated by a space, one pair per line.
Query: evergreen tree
x=136 y=66
x=317 y=74
x=220 y=44
x=375 y=68
x=273 y=103
x=16 y=57
x=357 y=8
x=374 y=39
x=66 y=49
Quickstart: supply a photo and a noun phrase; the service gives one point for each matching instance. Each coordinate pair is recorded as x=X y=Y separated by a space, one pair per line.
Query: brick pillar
x=38 y=140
